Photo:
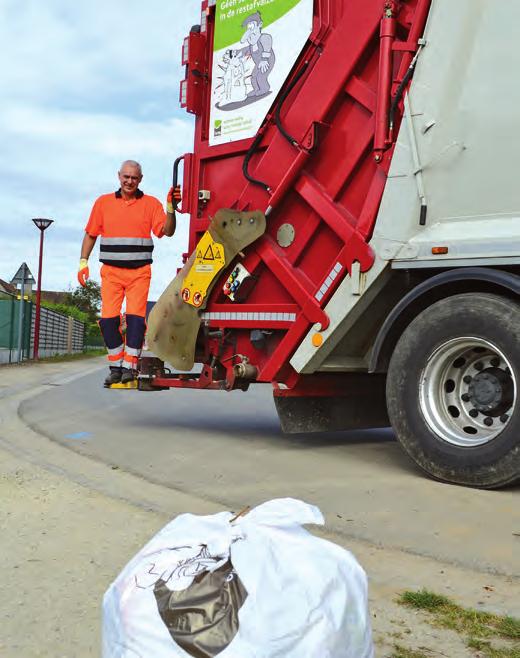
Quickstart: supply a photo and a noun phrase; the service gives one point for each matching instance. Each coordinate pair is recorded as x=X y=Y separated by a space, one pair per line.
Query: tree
x=87 y=299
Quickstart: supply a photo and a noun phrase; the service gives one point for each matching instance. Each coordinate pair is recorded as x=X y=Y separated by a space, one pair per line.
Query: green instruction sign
x=256 y=44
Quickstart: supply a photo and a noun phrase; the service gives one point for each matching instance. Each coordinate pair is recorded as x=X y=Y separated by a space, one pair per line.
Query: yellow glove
x=83 y=272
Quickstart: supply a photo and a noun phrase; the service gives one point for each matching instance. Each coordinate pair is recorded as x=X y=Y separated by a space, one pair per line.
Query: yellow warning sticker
x=210 y=259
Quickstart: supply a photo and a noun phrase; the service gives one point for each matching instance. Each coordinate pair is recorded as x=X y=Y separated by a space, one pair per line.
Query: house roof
x=55 y=297
x=7 y=287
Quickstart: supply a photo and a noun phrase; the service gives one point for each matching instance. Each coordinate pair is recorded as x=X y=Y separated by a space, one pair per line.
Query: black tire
x=427 y=424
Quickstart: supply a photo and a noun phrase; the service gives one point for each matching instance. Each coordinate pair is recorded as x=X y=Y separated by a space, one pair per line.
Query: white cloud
x=69 y=144
x=74 y=158
x=76 y=49
x=84 y=86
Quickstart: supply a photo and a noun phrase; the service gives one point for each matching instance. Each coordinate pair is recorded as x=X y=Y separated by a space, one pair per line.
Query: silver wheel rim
x=468 y=392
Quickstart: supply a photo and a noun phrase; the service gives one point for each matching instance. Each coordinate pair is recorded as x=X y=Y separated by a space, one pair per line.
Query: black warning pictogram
x=217 y=253
x=209 y=255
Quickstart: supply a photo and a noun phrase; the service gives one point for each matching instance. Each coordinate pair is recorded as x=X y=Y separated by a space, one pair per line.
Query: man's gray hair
x=132 y=163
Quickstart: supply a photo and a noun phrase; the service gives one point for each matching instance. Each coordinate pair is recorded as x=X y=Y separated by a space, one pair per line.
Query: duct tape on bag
x=257 y=586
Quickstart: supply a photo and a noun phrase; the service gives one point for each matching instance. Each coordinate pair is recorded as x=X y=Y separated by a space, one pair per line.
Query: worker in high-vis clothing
x=124 y=221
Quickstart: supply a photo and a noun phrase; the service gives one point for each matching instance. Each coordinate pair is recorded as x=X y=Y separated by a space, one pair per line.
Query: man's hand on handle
x=83 y=272
x=173 y=199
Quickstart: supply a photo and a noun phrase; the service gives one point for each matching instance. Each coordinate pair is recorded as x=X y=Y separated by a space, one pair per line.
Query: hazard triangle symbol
x=209 y=254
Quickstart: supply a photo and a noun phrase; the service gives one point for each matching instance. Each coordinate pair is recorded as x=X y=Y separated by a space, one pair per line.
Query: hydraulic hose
x=252 y=149
x=283 y=98
x=245 y=164
x=398 y=96
x=400 y=90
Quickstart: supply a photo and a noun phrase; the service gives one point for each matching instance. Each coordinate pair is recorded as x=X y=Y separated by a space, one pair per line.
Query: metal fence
x=15 y=345
x=59 y=334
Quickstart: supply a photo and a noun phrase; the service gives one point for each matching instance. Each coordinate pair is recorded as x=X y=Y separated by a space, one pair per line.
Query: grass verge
x=90 y=354
x=487 y=649
x=476 y=625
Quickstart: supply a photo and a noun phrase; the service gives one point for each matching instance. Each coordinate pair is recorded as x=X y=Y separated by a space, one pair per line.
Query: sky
x=84 y=86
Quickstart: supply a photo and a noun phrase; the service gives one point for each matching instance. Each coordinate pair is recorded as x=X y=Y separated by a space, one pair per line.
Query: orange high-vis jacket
x=126 y=227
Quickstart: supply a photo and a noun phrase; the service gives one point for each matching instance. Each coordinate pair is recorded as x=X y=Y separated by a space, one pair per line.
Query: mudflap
x=174 y=322
x=360 y=404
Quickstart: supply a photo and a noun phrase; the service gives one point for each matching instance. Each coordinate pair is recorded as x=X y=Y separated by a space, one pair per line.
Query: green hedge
x=65 y=309
x=93 y=335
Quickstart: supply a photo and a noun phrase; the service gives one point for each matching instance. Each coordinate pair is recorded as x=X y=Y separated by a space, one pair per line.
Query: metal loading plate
x=173 y=324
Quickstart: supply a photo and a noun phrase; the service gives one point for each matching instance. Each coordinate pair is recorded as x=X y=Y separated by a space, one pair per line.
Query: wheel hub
x=468 y=391
x=491 y=391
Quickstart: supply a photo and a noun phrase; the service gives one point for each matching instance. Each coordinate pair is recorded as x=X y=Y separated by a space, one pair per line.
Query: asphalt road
x=228 y=448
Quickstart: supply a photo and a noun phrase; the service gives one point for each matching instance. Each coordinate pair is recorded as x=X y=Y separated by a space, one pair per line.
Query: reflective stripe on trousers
x=116 y=355
x=111 y=332
x=120 y=353
x=135 y=330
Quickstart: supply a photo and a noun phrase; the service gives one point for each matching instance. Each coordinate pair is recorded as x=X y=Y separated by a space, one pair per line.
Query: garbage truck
x=354 y=231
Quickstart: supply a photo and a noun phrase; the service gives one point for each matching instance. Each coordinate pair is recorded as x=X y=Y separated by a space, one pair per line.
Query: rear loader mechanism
x=303 y=193
x=288 y=280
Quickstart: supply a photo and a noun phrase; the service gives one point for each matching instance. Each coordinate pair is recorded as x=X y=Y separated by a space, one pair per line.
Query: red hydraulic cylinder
x=387 y=38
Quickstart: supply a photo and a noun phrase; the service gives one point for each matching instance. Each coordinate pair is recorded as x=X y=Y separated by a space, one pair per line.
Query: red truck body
x=328 y=182
x=384 y=287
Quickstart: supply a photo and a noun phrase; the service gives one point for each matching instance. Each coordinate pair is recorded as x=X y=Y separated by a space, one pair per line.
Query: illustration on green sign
x=259 y=49
x=256 y=43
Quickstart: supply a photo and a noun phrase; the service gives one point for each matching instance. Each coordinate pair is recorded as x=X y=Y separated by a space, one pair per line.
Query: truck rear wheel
x=453 y=390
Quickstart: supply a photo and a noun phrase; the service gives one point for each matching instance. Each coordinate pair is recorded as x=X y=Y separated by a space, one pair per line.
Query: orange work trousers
x=116 y=284
x=120 y=282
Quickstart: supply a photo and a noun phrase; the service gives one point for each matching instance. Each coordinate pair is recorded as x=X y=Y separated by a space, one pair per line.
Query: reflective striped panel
x=115 y=355
x=333 y=274
x=116 y=255
x=116 y=351
x=126 y=252
x=256 y=317
x=132 y=351
x=138 y=242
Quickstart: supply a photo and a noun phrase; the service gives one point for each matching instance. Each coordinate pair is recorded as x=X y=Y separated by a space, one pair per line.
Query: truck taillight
x=194 y=59
x=183 y=98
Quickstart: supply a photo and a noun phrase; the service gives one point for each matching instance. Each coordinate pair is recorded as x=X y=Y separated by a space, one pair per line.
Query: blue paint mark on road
x=79 y=436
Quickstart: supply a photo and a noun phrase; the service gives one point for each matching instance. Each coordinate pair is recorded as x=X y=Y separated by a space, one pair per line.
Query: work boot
x=114 y=377
x=128 y=376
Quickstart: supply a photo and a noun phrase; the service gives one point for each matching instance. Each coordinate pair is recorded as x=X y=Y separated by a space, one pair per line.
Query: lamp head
x=42 y=223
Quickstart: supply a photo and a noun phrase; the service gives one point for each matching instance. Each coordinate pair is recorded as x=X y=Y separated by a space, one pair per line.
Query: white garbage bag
x=258 y=587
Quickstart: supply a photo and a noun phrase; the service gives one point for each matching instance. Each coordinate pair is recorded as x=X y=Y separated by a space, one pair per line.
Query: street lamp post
x=42 y=224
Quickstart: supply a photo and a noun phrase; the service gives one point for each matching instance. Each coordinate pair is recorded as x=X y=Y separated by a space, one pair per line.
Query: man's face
x=253 y=33
x=129 y=177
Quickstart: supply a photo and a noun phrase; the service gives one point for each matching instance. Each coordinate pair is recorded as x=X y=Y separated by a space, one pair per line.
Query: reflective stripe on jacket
x=126 y=252
x=125 y=227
